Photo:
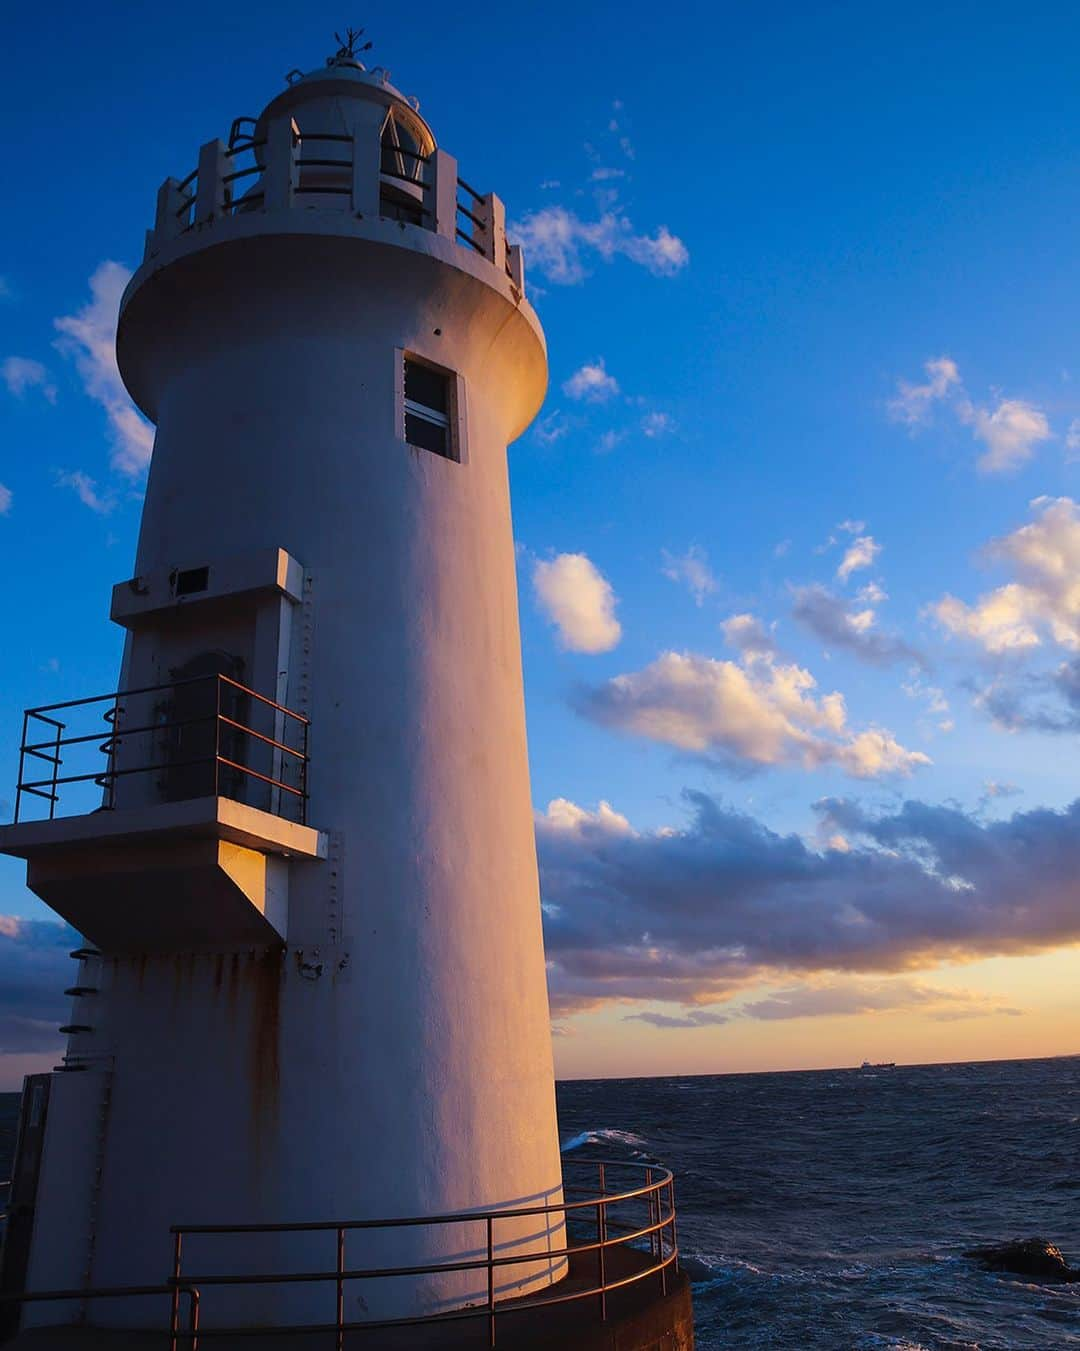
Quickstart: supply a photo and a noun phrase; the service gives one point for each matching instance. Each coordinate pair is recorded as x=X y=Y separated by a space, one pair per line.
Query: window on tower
x=428 y=408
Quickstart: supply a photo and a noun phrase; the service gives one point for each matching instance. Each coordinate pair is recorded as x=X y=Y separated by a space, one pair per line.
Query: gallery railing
x=643 y=1228
x=197 y=737
x=335 y=171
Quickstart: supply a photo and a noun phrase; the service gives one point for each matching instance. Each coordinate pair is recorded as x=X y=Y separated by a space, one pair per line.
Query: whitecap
x=605 y=1137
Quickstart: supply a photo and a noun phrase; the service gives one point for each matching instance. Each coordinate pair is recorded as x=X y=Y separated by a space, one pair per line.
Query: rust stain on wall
x=264 y=972
x=233 y=990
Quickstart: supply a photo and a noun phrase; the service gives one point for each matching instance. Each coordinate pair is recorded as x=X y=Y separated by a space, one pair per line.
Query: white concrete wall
x=396 y=1060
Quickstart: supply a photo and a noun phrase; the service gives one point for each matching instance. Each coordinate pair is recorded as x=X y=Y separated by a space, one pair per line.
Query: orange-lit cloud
x=696 y=915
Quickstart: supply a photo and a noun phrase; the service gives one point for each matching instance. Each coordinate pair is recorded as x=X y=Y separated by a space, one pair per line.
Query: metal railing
x=190 y=1334
x=198 y=736
x=320 y=169
x=653 y=1241
x=475 y=201
x=647 y=1235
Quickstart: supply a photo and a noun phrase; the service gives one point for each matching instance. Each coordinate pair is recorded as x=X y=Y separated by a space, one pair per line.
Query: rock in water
x=1026 y=1257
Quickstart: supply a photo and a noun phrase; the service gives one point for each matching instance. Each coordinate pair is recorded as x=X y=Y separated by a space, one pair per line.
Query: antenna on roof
x=347 y=45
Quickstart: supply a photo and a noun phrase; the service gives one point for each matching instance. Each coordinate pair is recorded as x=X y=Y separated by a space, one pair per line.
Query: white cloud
x=699 y=914
x=551 y=428
x=1044 y=600
x=656 y=424
x=89 y=337
x=912 y=402
x=1002 y=621
x=747 y=634
x=860 y=554
x=692 y=569
x=853 y=997
x=566 y=816
x=839 y=624
x=556 y=239
x=86 y=489
x=1010 y=430
x=579 y=601
x=592 y=383
x=23 y=373
x=1010 y=433
x=690 y=1018
x=5 y=499
x=608 y=441
x=937 y=705
x=1072 y=440
x=759 y=711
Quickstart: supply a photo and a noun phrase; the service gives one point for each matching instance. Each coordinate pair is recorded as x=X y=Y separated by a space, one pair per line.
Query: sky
x=798 y=527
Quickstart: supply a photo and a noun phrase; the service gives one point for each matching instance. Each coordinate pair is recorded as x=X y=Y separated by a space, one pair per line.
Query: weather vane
x=347 y=45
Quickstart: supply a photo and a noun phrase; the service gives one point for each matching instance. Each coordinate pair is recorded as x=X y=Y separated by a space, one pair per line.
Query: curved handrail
x=186 y=205
x=666 y=1178
x=660 y=1255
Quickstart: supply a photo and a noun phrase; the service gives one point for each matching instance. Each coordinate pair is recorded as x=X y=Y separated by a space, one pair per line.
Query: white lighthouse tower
x=308 y=1073
x=313 y=887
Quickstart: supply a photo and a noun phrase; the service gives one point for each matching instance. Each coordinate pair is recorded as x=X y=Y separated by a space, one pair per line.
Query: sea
x=831 y=1209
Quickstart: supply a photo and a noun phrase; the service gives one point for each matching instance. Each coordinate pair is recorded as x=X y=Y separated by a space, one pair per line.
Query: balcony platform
x=208 y=873
x=639 y=1318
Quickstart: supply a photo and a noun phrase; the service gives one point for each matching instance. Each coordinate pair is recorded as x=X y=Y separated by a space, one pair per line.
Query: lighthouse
x=312 y=980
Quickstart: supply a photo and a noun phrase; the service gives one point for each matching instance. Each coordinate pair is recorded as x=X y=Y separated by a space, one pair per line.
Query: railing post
x=55 y=772
x=491 y=1279
x=167 y=223
x=304 y=776
x=601 y=1238
x=210 y=195
x=443 y=193
x=493 y=213
x=674 y=1229
x=515 y=266
x=194 y=1327
x=217 y=738
x=22 y=766
x=174 y=1322
x=113 y=743
x=340 y=1289
x=658 y=1199
x=366 y=169
x=280 y=174
x=653 y=1218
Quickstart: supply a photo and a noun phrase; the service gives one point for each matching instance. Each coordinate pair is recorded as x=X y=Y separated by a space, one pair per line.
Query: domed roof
x=346 y=67
x=344 y=76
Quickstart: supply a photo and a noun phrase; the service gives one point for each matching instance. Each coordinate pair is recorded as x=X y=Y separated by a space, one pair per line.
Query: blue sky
x=808 y=282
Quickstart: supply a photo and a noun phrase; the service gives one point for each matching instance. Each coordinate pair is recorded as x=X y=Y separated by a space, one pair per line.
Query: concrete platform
x=200 y=874
x=640 y=1318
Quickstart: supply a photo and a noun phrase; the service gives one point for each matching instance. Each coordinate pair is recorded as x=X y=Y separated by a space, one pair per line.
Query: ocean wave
x=818 y=1220
x=607 y=1136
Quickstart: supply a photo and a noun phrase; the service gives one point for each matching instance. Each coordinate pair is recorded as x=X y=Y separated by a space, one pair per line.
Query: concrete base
x=639 y=1318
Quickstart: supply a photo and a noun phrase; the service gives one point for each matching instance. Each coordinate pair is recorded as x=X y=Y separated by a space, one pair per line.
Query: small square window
x=429 y=409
